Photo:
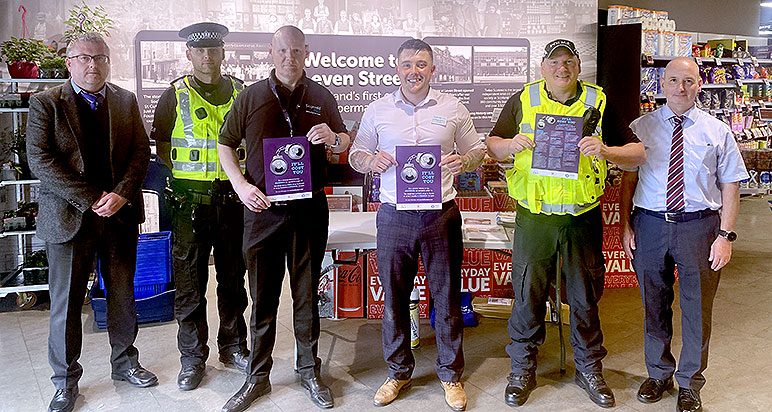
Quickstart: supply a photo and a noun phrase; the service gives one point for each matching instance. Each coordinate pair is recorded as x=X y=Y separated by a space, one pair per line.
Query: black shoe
x=651 y=389
x=63 y=400
x=238 y=359
x=139 y=377
x=319 y=392
x=595 y=386
x=688 y=400
x=519 y=388
x=246 y=395
x=190 y=376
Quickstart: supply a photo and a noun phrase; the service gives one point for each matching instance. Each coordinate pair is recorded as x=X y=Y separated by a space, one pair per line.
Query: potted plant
x=85 y=19
x=53 y=67
x=21 y=55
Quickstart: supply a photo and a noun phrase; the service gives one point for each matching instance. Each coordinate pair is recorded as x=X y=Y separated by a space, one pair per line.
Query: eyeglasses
x=87 y=58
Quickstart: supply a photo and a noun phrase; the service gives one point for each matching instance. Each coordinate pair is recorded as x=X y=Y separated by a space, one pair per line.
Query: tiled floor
x=739 y=376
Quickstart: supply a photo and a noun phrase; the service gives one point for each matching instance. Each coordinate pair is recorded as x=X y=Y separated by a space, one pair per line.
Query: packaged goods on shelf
x=760 y=52
x=649 y=19
x=684 y=44
x=649 y=80
x=666 y=44
x=618 y=12
x=649 y=42
x=728 y=44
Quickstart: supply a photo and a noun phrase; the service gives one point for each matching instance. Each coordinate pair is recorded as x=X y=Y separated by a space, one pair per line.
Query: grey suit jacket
x=54 y=149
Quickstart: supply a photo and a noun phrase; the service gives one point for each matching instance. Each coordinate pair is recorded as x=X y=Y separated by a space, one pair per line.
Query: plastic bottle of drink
x=415 y=341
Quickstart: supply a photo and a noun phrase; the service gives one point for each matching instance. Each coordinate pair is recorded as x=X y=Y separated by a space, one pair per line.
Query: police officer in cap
x=559 y=221
x=205 y=211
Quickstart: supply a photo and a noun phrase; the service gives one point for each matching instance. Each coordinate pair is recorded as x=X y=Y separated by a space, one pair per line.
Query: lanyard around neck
x=284 y=110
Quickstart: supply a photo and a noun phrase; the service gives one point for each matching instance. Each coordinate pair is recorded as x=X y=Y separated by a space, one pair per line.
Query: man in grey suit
x=87 y=144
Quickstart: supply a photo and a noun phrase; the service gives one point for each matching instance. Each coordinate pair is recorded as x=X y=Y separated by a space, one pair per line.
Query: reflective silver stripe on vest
x=570 y=209
x=526 y=128
x=194 y=167
x=187 y=122
x=196 y=143
x=592 y=96
x=533 y=93
x=237 y=86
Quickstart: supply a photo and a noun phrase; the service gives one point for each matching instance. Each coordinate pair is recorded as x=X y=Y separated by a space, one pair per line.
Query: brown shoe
x=389 y=391
x=455 y=396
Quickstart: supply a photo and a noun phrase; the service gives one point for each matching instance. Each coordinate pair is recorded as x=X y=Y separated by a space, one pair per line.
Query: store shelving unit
x=12 y=282
x=620 y=61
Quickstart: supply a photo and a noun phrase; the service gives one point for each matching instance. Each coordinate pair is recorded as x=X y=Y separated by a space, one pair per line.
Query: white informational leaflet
x=483 y=229
x=152 y=222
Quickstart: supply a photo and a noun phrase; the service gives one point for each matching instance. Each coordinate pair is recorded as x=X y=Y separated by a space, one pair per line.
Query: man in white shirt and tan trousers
x=416 y=114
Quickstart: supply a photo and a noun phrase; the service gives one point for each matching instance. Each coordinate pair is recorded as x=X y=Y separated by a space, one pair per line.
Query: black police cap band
x=205 y=34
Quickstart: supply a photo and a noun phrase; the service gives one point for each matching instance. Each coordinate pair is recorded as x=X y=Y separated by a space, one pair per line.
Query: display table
x=486 y=270
x=356 y=231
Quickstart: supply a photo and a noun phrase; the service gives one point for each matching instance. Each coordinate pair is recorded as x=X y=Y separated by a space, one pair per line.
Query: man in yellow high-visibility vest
x=205 y=212
x=558 y=215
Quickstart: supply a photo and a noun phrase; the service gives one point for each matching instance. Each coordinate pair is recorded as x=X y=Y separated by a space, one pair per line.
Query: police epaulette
x=236 y=79
x=178 y=79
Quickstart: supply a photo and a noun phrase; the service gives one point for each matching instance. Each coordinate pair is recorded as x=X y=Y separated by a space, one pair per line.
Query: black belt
x=677 y=217
x=203 y=192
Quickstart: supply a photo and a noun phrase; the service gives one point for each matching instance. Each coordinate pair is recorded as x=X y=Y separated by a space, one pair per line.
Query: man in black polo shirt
x=283 y=105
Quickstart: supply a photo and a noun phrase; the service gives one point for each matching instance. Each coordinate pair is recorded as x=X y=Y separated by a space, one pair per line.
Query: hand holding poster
x=419 y=180
x=287 y=163
x=557 y=146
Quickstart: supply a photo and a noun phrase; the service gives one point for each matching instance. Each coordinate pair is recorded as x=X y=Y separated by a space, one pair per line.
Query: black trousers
x=198 y=229
x=70 y=263
x=295 y=234
x=436 y=236
x=538 y=239
x=660 y=246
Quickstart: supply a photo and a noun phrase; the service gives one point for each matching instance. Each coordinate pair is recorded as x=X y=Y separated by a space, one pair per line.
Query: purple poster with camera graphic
x=287 y=168
x=419 y=179
x=557 y=146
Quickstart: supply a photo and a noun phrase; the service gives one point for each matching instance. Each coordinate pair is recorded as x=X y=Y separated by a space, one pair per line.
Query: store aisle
x=740 y=364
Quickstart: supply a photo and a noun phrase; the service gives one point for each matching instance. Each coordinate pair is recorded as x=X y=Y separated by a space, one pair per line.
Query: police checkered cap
x=205 y=34
x=556 y=44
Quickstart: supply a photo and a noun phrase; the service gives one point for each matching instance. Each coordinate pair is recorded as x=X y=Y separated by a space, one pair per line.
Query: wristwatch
x=728 y=235
x=337 y=141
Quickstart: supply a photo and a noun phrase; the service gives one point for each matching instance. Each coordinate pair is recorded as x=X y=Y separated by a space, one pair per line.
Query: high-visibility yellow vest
x=555 y=195
x=194 y=137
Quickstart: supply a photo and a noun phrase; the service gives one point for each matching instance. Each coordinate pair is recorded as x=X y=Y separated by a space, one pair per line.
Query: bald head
x=288 y=50
x=681 y=84
x=290 y=32
x=683 y=63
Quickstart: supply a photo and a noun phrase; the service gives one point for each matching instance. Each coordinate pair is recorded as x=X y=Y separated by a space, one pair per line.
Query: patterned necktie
x=94 y=100
x=675 y=172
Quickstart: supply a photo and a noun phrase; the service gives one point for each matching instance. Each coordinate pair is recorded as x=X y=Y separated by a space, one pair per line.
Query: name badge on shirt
x=317 y=110
x=440 y=120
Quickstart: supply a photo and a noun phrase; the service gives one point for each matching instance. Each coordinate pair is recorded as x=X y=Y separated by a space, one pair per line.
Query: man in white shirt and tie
x=684 y=209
